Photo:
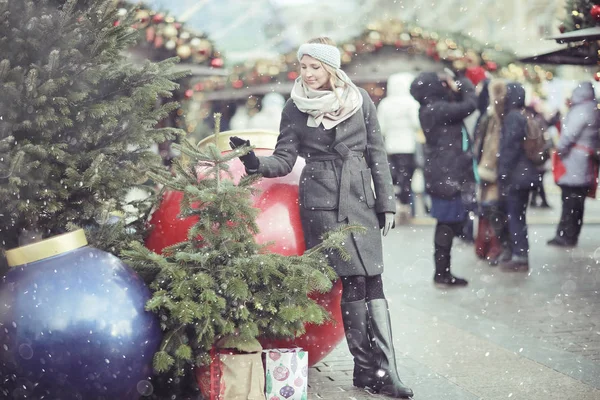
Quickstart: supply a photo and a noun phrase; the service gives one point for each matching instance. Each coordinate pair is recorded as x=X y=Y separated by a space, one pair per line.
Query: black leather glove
x=249 y=160
x=386 y=225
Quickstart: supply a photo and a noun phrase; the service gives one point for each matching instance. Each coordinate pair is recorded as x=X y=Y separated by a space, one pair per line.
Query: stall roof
x=572 y=55
x=592 y=33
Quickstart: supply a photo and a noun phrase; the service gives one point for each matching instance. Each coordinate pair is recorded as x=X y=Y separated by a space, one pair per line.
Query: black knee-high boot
x=355 y=318
x=380 y=332
x=444 y=235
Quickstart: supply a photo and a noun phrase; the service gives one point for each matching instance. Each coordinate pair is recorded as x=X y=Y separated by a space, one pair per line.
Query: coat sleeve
x=450 y=112
x=574 y=123
x=414 y=116
x=282 y=161
x=377 y=161
x=511 y=144
x=381 y=115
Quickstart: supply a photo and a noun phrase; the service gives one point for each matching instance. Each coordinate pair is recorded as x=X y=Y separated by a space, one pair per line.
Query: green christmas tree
x=579 y=15
x=77 y=119
x=220 y=287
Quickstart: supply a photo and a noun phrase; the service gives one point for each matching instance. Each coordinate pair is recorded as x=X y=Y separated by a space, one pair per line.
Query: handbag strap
x=587 y=149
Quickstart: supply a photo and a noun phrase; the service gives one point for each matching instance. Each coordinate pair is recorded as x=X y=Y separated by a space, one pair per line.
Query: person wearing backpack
x=517 y=174
x=576 y=148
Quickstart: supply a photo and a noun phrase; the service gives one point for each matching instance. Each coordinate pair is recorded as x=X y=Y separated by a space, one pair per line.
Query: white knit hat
x=325 y=53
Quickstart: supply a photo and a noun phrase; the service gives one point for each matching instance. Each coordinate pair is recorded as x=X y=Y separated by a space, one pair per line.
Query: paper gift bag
x=286 y=374
x=232 y=376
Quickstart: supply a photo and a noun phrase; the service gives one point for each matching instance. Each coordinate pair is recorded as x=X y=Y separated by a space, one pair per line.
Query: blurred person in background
x=398 y=115
x=448 y=170
x=535 y=111
x=576 y=149
x=491 y=240
x=332 y=124
x=517 y=176
x=269 y=116
x=240 y=118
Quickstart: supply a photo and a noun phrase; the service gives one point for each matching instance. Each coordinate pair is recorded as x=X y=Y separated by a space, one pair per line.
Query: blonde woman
x=332 y=124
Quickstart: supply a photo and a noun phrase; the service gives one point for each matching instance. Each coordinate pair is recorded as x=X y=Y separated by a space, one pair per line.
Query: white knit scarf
x=323 y=106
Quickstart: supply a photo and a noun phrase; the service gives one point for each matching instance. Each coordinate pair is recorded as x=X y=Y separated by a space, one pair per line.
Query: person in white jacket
x=240 y=118
x=398 y=115
x=269 y=116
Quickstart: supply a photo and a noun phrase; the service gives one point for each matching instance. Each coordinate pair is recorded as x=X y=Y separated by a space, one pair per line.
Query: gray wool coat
x=579 y=137
x=343 y=166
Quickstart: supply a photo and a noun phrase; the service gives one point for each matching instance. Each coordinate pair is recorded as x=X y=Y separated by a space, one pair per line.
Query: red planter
x=279 y=222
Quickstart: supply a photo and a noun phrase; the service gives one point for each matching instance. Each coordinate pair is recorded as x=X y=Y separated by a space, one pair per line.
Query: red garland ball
x=217 y=63
x=597 y=76
x=595 y=12
x=188 y=94
x=562 y=28
x=237 y=84
x=158 y=18
x=491 y=66
x=475 y=74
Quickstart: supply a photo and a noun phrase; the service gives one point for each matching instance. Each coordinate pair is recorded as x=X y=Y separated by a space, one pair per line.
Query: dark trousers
x=539 y=191
x=496 y=214
x=515 y=204
x=444 y=235
x=402 y=167
x=571 y=218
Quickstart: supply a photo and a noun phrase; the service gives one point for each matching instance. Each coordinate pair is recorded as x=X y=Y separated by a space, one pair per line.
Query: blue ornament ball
x=73 y=326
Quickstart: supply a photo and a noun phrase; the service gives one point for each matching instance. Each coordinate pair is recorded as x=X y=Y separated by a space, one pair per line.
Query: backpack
x=535 y=143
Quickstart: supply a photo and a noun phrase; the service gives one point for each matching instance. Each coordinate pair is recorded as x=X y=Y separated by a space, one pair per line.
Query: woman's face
x=313 y=74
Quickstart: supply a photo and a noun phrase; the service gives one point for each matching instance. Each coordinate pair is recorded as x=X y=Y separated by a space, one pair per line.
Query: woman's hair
x=333 y=79
x=497 y=93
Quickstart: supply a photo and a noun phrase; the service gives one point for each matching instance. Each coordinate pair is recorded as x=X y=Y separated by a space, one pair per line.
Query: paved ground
x=506 y=336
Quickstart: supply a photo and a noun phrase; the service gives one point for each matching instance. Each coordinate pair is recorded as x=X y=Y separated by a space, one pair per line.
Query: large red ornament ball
x=595 y=12
x=279 y=223
x=597 y=76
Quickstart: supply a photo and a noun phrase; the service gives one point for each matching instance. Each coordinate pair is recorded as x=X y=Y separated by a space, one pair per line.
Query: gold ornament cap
x=46 y=248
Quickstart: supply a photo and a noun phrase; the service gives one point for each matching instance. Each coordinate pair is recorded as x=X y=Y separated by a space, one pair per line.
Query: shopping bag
x=558 y=168
x=232 y=376
x=482 y=239
x=286 y=374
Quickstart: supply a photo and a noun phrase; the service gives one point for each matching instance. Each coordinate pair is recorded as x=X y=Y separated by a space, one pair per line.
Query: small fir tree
x=220 y=285
x=77 y=120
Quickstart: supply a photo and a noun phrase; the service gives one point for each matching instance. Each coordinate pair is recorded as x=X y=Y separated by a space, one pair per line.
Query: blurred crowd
x=484 y=148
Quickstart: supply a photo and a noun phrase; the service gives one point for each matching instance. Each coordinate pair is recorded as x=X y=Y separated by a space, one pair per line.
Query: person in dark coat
x=333 y=125
x=576 y=147
x=517 y=176
x=448 y=170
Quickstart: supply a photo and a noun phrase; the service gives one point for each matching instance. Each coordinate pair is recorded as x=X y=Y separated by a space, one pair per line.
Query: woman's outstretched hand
x=249 y=160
